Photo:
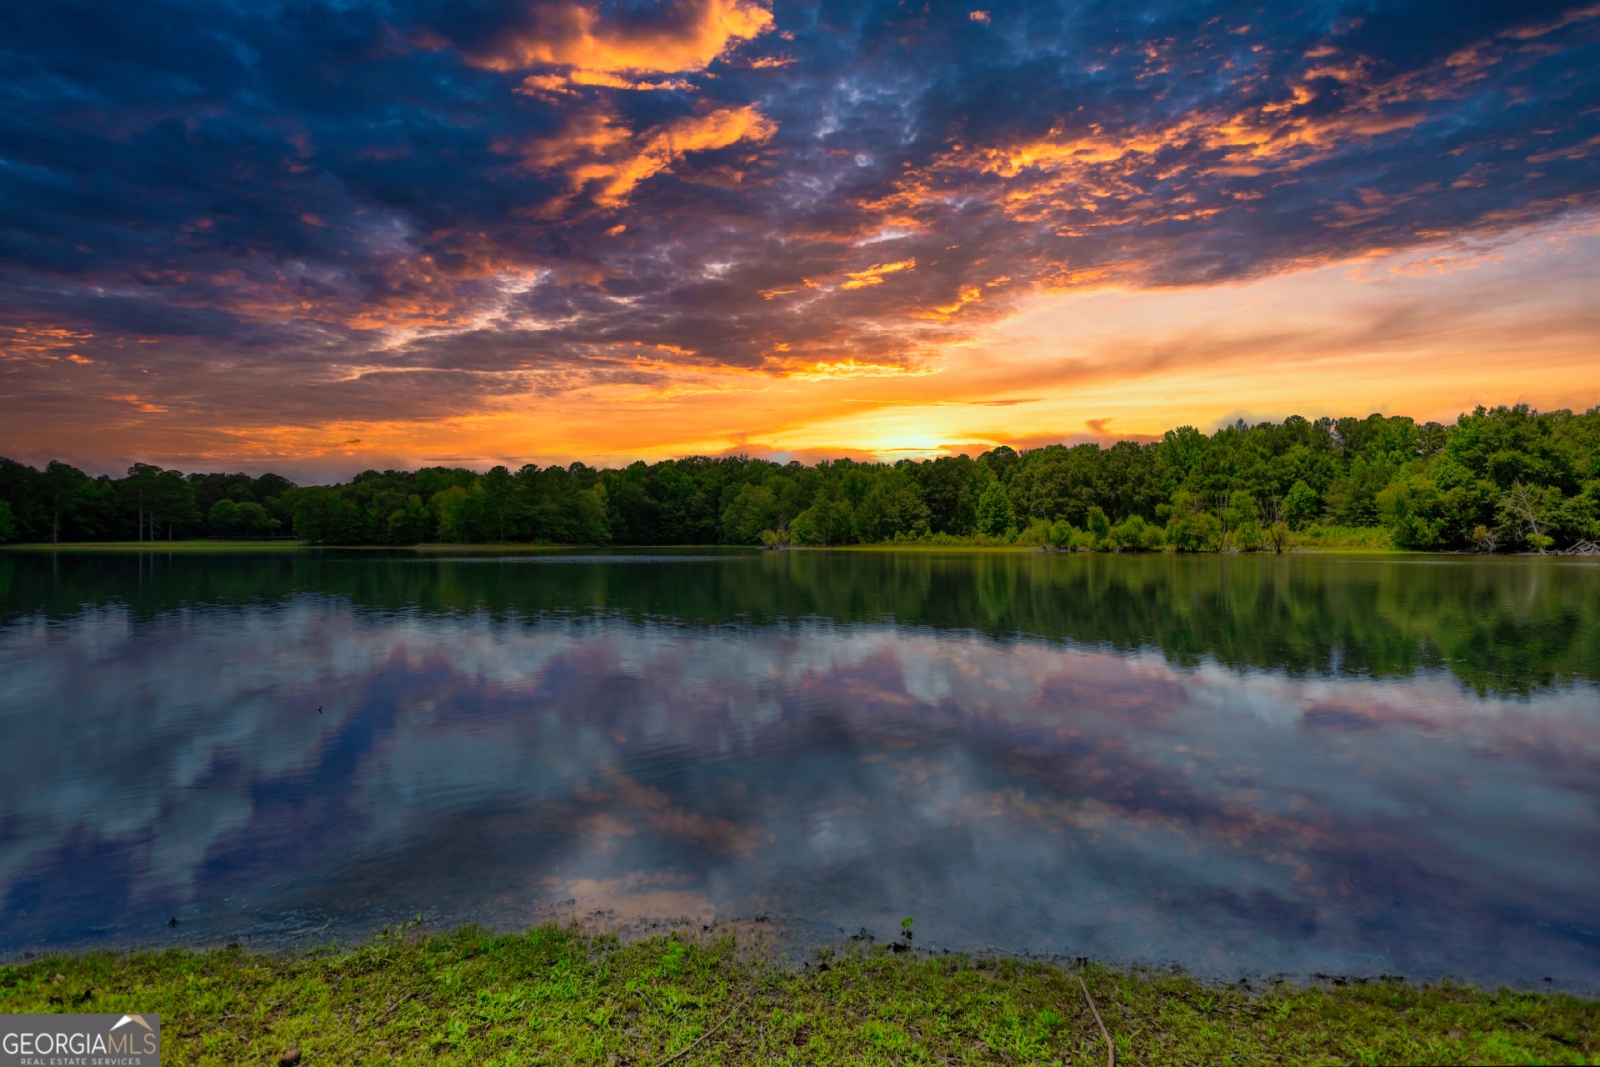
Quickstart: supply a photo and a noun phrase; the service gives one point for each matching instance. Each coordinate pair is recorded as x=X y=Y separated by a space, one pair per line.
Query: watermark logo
x=80 y=1040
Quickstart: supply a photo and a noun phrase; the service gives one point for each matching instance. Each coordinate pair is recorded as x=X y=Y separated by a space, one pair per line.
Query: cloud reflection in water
x=1017 y=795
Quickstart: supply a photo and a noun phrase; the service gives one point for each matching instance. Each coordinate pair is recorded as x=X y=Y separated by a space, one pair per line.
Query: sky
x=317 y=237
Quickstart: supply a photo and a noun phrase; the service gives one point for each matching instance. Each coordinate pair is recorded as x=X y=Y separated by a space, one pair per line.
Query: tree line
x=1507 y=478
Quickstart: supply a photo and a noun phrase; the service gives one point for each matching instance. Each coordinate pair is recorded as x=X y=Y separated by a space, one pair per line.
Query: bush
x=1190 y=527
x=1133 y=534
x=1039 y=534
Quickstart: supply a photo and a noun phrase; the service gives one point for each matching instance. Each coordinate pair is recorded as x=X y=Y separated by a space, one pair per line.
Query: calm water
x=1245 y=766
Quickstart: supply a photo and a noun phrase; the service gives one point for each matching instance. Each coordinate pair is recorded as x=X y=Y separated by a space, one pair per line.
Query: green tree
x=891 y=508
x=1301 y=505
x=1185 y=449
x=1413 y=510
x=1577 y=518
x=808 y=528
x=1099 y=528
x=753 y=508
x=1001 y=461
x=410 y=523
x=68 y=487
x=995 y=517
x=255 y=521
x=139 y=493
x=229 y=518
x=1242 y=519
x=947 y=490
x=1526 y=514
x=8 y=523
x=499 y=506
x=324 y=515
x=1058 y=483
x=459 y=512
x=825 y=522
x=1190 y=527
x=586 y=516
x=224 y=517
x=1353 y=496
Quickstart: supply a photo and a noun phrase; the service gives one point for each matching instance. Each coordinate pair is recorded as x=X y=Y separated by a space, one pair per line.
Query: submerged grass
x=559 y=995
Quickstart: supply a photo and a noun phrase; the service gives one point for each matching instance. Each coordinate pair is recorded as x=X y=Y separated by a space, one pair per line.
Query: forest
x=1500 y=479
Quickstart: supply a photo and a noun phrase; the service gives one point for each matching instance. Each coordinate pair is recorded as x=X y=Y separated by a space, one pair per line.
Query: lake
x=1247 y=766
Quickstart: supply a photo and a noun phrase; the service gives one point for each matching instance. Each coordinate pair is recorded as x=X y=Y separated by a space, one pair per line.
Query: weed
x=560 y=995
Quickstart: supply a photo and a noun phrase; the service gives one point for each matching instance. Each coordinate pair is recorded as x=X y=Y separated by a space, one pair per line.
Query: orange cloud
x=812 y=371
x=1540 y=29
x=865 y=278
x=969 y=294
x=41 y=342
x=1508 y=320
x=587 y=134
x=607 y=160
x=684 y=36
x=873 y=275
x=1097 y=177
x=139 y=403
x=562 y=84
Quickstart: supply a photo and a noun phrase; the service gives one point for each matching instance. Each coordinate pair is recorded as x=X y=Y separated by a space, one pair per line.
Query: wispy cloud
x=422 y=211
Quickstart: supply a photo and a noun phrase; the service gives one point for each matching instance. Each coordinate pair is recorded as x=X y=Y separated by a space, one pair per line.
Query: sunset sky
x=316 y=237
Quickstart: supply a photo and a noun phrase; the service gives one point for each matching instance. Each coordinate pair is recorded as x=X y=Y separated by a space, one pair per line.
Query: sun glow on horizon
x=1428 y=332
x=600 y=233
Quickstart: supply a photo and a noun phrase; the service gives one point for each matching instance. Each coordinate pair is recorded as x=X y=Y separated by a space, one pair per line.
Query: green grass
x=949 y=545
x=504 y=546
x=559 y=995
x=1315 y=539
x=1343 y=539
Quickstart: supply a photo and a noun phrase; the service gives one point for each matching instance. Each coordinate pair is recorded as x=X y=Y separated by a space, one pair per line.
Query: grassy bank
x=557 y=995
x=1343 y=539
x=1312 y=539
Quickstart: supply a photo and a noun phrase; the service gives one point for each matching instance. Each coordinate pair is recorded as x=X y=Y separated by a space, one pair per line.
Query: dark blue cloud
x=299 y=181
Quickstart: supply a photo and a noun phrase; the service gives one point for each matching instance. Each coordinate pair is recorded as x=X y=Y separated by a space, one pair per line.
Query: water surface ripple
x=1243 y=766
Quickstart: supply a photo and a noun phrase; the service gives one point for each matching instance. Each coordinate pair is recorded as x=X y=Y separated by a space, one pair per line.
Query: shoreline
x=444 y=549
x=556 y=992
